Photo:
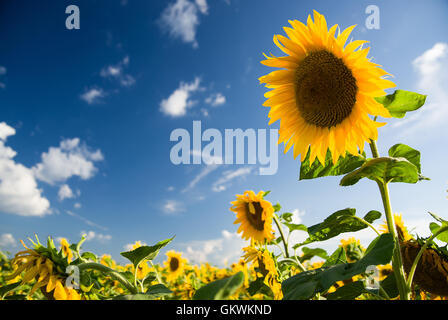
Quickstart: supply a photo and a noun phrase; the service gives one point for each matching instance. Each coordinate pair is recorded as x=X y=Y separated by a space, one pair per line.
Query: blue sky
x=87 y=116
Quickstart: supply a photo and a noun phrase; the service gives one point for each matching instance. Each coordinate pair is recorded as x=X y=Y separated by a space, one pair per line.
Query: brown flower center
x=255 y=217
x=325 y=89
x=174 y=264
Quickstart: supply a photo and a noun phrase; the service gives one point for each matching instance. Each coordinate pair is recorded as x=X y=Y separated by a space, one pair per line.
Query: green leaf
x=220 y=289
x=339 y=222
x=434 y=228
x=145 y=252
x=306 y=284
x=89 y=256
x=401 y=101
x=8 y=288
x=266 y=193
x=258 y=286
x=384 y=169
x=158 y=290
x=287 y=216
x=348 y=292
x=337 y=257
x=309 y=253
x=342 y=166
x=277 y=207
x=390 y=286
x=293 y=226
x=413 y=156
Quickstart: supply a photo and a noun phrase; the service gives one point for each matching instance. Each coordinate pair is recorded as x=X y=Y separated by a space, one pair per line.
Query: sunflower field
x=328 y=96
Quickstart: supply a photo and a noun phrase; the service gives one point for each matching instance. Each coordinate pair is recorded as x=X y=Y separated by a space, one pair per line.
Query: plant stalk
x=397 y=261
x=112 y=273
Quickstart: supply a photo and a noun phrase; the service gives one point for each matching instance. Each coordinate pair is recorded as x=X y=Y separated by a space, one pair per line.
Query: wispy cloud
x=2 y=73
x=181 y=19
x=117 y=72
x=7 y=240
x=92 y=235
x=432 y=70
x=93 y=95
x=173 y=207
x=220 y=251
x=228 y=176
x=216 y=99
x=85 y=220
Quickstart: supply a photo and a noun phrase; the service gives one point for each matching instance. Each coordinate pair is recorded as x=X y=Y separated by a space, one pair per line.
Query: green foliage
x=220 y=289
x=145 y=252
x=339 y=222
x=307 y=284
x=384 y=169
x=342 y=166
x=309 y=253
x=348 y=292
x=401 y=101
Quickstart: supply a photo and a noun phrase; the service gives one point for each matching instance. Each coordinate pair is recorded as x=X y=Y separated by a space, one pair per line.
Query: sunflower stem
x=420 y=253
x=285 y=242
x=111 y=272
x=367 y=223
x=397 y=261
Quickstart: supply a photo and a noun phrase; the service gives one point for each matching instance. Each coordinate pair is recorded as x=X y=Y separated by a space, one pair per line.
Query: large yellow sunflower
x=175 y=265
x=325 y=92
x=255 y=215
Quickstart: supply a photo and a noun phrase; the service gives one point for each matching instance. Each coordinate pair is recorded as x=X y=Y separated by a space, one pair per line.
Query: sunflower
x=255 y=215
x=403 y=234
x=65 y=247
x=175 y=265
x=46 y=274
x=353 y=249
x=431 y=273
x=325 y=91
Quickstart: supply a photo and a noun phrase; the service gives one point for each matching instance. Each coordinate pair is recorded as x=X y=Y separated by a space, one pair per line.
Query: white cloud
x=7 y=240
x=92 y=235
x=224 y=182
x=117 y=72
x=202 y=5
x=211 y=164
x=77 y=205
x=177 y=103
x=19 y=193
x=216 y=99
x=172 y=207
x=65 y=192
x=69 y=159
x=85 y=220
x=221 y=251
x=432 y=71
x=93 y=95
x=181 y=19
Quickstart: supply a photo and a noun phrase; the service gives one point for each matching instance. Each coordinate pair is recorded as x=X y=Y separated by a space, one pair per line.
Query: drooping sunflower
x=45 y=273
x=255 y=215
x=175 y=265
x=325 y=92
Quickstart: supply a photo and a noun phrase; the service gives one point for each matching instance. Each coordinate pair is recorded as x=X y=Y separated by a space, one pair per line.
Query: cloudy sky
x=86 y=118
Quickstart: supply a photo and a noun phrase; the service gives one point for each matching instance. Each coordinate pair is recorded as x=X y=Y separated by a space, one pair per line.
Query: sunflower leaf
x=348 y=292
x=308 y=283
x=145 y=252
x=339 y=222
x=309 y=253
x=384 y=169
x=220 y=289
x=342 y=166
x=401 y=101
x=434 y=227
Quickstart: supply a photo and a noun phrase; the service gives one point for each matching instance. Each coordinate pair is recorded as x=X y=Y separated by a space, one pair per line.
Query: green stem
x=420 y=253
x=397 y=261
x=368 y=224
x=111 y=272
x=285 y=242
x=159 y=279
